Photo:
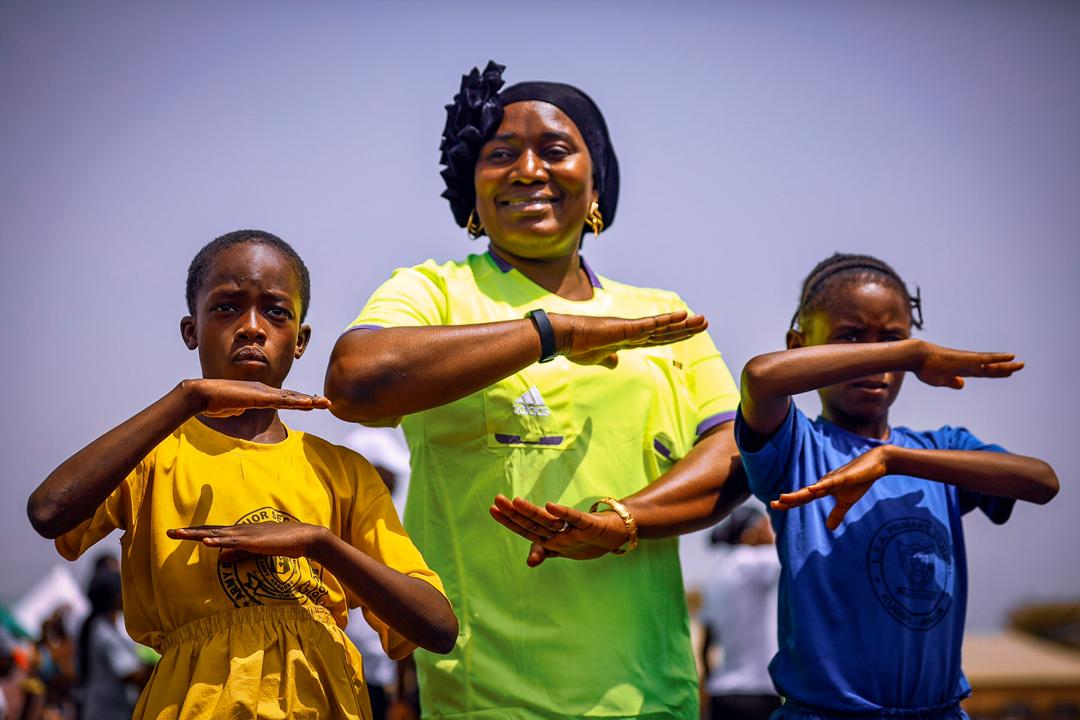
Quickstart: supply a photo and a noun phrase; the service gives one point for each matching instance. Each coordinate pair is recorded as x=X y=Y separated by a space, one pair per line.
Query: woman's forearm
x=376 y=375
x=411 y=606
x=992 y=473
x=379 y=374
x=700 y=490
x=74 y=490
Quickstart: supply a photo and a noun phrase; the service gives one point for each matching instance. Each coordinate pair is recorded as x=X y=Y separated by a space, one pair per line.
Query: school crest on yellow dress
x=268 y=580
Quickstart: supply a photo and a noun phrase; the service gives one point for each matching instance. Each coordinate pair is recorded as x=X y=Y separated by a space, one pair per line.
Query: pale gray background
x=754 y=138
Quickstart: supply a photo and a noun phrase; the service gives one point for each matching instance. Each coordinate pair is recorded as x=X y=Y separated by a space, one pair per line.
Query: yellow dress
x=262 y=637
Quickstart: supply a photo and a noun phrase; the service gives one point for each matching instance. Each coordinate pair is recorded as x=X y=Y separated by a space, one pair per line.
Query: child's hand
x=945 y=367
x=560 y=531
x=588 y=340
x=222 y=398
x=846 y=484
x=285 y=539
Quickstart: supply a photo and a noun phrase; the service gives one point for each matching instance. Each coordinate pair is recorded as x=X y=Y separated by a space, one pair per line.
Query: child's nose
x=251 y=328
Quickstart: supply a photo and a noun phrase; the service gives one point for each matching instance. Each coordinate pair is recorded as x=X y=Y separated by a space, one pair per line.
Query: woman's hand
x=223 y=398
x=845 y=484
x=283 y=539
x=596 y=340
x=560 y=531
x=944 y=367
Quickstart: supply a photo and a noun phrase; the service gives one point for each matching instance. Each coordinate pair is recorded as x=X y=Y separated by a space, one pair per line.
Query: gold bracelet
x=624 y=513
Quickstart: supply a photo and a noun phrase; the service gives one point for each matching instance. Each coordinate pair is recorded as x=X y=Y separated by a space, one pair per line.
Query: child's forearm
x=790 y=372
x=992 y=473
x=73 y=491
x=411 y=606
x=768 y=381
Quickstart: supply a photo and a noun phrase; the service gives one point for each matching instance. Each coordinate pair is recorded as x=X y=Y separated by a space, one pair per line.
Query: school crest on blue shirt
x=910 y=567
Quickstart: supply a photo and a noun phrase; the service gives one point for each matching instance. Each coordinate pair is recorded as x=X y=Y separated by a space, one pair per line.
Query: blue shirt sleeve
x=998 y=509
x=768 y=467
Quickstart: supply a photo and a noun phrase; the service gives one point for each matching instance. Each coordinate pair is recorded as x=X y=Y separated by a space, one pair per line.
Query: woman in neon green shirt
x=603 y=391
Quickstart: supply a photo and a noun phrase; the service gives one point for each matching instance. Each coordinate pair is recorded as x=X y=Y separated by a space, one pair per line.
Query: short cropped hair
x=200 y=264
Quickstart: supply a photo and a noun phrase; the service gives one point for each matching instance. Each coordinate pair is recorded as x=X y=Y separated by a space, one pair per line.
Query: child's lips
x=250 y=355
x=871 y=387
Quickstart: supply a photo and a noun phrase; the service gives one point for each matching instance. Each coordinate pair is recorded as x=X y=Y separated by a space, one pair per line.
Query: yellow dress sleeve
x=412 y=297
x=374 y=529
x=116 y=513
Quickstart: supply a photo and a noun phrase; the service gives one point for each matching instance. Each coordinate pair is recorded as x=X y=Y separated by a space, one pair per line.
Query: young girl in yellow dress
x=245 y=541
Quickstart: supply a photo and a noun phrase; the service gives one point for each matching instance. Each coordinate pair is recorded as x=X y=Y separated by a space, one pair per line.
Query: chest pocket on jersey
x=533 y=408
x=668 y=434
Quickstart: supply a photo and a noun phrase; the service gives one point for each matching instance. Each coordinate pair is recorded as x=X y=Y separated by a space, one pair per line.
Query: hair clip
x=916 y=308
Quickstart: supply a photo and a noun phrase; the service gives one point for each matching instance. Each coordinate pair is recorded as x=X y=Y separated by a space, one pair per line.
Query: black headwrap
x=474 y=116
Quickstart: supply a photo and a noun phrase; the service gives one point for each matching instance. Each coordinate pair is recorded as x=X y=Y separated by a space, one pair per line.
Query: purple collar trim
x=594 y=279
x=499 y=262
x=506 y=267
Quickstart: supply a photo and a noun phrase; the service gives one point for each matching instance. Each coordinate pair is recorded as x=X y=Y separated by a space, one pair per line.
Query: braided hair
x=816 y=288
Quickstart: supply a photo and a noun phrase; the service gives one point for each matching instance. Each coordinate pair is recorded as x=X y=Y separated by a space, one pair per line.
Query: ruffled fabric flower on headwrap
x=471 y=118
x=475 y=114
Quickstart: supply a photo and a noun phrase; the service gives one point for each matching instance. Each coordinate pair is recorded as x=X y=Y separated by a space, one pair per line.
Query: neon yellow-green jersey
x=601 y=638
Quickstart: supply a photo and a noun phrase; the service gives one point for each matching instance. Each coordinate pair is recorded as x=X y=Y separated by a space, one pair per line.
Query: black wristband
x=547 y=334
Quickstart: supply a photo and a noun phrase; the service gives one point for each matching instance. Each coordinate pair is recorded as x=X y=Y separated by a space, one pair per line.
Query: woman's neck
x=562 y=276
x=261 y=426
x=876 y=428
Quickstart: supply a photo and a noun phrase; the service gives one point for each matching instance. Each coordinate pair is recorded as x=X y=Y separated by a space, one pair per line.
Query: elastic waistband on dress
x=253 y=614
x=944 y=711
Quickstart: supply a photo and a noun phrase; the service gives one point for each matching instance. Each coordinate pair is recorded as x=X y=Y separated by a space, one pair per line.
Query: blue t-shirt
x=871 y=616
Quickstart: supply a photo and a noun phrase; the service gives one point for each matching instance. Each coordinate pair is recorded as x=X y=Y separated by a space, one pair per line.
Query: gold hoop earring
x=473 y=226
x=595 y=220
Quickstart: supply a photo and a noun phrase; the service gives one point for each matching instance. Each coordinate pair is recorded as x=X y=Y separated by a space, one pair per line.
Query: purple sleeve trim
x=594 y=279
x=661 y=448
x=499 y=262
x=710 y=422
x=362 y=327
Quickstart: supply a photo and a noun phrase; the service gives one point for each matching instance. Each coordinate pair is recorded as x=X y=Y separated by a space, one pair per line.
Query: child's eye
x=222 y=307
x=500 y=155
x=279 y=312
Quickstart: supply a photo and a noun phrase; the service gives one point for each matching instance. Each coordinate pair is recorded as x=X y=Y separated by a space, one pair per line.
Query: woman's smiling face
x=534 y=182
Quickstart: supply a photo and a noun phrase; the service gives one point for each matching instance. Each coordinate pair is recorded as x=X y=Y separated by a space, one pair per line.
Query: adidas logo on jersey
x=531 y=402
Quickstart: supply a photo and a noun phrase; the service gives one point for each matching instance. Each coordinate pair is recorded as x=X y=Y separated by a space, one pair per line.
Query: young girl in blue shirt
x=873 y=588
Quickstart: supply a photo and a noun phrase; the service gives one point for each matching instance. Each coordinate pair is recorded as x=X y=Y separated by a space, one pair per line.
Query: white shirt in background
x=739 y=605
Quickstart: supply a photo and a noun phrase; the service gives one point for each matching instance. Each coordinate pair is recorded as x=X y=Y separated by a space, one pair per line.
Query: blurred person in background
x=391 y=683
x=7 y=663
x=112 y=674
x=53 y=672
x=738 y=613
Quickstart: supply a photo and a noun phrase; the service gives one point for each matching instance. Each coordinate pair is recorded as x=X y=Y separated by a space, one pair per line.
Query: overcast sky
x=754 y=140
